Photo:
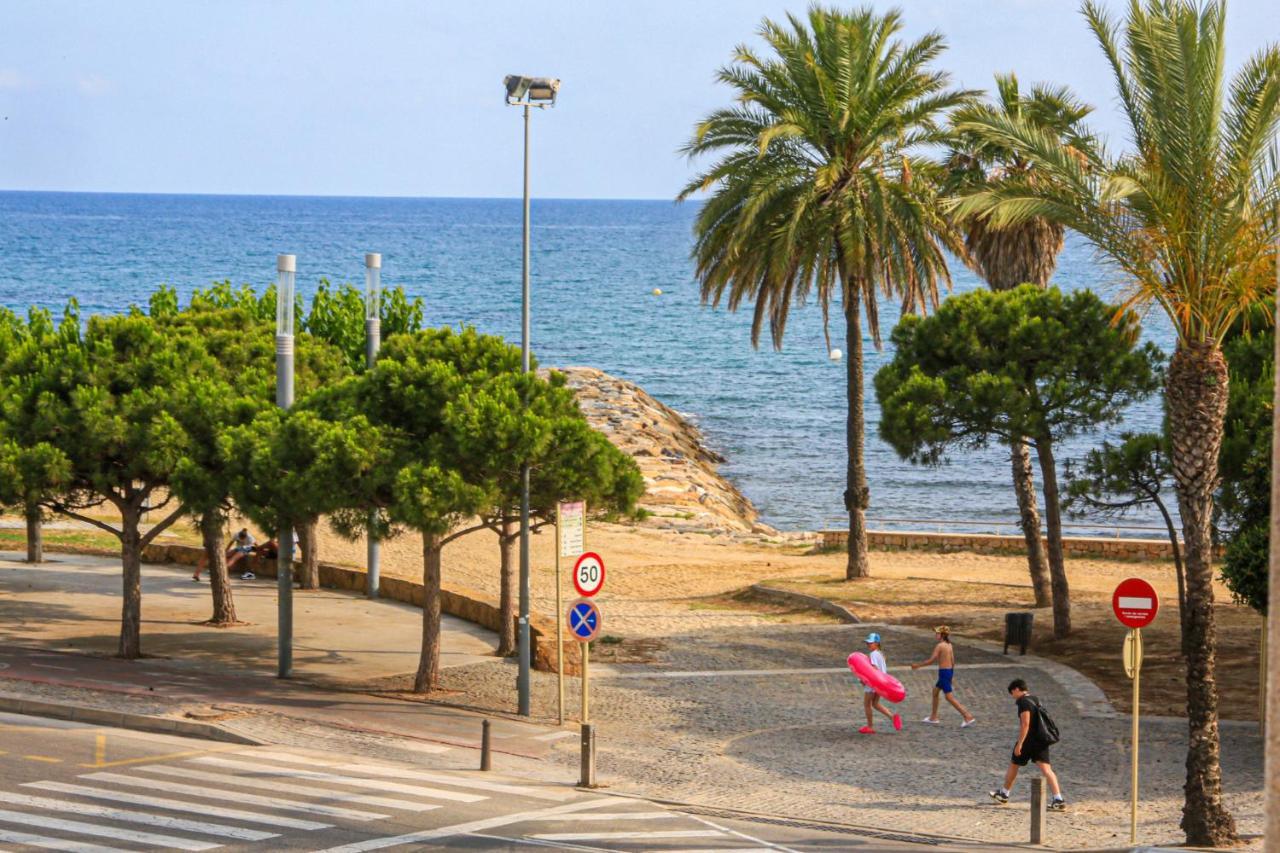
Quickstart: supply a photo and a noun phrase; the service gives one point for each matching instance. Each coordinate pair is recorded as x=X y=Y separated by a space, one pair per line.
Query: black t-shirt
x=1029 y=704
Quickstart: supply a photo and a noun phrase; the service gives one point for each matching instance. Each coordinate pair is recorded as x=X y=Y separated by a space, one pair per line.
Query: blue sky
x=386 y=97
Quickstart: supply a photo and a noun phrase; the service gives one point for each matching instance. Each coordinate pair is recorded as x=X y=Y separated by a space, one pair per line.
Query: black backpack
x=1043 y=729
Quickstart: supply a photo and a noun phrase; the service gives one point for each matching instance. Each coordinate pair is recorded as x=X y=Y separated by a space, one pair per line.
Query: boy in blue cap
x=870 y=698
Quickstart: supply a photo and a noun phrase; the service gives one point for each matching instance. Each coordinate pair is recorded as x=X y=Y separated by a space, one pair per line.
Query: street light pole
x=372 y=340
x=526 y=92
x=286 y=270
x=1271 y=683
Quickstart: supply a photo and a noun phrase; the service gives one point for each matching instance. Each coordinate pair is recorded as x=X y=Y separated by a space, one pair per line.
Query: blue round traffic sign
x=584 y=620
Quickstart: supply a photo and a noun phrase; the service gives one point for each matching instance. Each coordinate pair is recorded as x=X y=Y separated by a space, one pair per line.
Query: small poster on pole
x=573 y=523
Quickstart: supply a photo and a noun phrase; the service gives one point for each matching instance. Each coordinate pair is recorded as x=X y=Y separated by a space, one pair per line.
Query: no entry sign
x=1135 y=603
x=588 y=574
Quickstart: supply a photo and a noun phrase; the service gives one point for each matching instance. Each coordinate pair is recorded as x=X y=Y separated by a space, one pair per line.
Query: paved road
x=68 y=786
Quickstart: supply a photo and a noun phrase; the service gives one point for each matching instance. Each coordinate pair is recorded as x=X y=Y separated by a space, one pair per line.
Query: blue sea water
x=778 y=417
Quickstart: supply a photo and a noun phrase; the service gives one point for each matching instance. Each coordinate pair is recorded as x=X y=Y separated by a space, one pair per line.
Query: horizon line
x=3 y=191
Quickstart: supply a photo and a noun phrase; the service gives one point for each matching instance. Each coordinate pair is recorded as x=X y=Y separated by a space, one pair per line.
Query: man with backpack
x=1036 y=733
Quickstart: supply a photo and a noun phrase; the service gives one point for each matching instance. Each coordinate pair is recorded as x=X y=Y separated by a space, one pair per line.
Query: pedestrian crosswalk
x=275 y=799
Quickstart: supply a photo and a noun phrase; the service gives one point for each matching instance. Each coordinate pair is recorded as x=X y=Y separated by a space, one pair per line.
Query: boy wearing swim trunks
x=870 y=698
x=945 y=656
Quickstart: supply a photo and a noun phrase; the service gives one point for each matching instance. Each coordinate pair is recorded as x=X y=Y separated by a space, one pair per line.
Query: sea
x=597 y=268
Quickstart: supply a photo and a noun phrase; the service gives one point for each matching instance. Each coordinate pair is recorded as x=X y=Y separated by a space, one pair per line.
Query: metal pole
x=486 y=758
x=1037 y=811
x=587 y=774
x=522 y=682
x=372 y=341
x=1271 y=741
x=1133 y=778
x=286 y=269
x=559 y=627
x=586 y=657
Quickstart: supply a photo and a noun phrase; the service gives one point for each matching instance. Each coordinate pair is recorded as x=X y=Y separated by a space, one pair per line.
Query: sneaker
x=1057 y=804
x=930 y=721
x=248 y=576
x=897 y=723
x=968 y=723
x=999 y=796
x=866 y=730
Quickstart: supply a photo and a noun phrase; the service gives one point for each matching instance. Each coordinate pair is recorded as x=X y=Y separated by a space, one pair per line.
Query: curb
x=121 y=720
x=803 y=599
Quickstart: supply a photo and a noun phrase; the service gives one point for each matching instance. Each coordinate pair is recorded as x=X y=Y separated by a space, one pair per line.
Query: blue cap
x=873 y=637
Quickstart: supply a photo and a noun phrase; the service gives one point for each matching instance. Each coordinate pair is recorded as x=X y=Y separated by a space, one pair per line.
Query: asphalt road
x=75 y=787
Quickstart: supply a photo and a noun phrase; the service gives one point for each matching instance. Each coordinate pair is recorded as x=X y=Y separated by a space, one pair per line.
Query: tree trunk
x=1053 y=526
x=308 y=543
x=131 y=606
x=857 y=495
x=35 y=535
x=428 y=675
x=507 y=596
x=1197 y=404
x=1024 y=486
x=213 y=531
x=1179 y=573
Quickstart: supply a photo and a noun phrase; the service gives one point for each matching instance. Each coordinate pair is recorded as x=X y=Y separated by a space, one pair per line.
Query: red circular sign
x=1135 y=603
x=588 y=574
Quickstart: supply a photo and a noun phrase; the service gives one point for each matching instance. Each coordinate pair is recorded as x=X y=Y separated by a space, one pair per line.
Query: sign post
x=1135 y=604
x=571 y=527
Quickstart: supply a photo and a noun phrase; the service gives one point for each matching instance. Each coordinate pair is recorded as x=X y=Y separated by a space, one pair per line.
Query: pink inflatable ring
x=881 y=682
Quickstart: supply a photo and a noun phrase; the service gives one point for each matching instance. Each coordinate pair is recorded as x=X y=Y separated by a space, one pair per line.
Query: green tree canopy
x=1024 y=362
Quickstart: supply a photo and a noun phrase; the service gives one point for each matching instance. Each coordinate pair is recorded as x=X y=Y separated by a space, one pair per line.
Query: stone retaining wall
x=467 y=604
x=987 y=543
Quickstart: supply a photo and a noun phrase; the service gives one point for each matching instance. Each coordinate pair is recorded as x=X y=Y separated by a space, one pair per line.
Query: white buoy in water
x=835 y=355
x=657 y=291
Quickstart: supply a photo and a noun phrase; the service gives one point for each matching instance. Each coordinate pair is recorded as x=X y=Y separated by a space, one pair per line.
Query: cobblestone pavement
x=786 y=742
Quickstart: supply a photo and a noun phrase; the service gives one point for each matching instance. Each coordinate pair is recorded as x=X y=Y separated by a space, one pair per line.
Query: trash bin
x=1017 y=631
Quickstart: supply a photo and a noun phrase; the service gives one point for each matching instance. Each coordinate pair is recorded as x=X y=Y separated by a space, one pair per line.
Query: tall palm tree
x=820 y=192
x=1026 y=253
x=1186 y=216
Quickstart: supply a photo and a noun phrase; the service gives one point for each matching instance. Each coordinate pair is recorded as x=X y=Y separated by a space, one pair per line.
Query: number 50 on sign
x=588 y=574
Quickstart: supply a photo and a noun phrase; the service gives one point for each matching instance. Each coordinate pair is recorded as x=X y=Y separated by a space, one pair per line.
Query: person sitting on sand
x=870 y=698
x=241 y=546
x=945 y=656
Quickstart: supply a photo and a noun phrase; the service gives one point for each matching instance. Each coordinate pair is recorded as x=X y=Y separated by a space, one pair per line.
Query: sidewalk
x=61 y=627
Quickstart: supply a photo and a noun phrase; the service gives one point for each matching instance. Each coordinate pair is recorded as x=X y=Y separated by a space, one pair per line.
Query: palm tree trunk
x=507 y=595
x=428 y=675
x=1197 y=398
x=1053 y=527
x=857 y=493
x=35 y=535
x=213 y=530
x=1024 y=486
x=308 y=543
x=131 y=598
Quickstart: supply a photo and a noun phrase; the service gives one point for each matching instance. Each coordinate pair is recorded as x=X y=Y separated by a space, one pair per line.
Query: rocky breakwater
x=683 y=488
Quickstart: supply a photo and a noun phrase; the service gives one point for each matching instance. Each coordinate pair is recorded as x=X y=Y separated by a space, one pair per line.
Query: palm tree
x=820 y=192
x=1019 y=254
x=1187 y=218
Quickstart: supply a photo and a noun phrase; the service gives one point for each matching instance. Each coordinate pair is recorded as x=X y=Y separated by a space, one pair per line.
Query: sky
x=404 y=97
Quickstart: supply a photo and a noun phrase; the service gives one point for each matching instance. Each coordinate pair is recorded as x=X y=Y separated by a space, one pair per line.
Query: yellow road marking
x=152 y=758
x=100 y=751
x=44 y=758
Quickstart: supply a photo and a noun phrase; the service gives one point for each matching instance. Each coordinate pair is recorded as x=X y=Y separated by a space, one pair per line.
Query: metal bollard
x=588 y=779
x=1037 y=811
x=486 y=762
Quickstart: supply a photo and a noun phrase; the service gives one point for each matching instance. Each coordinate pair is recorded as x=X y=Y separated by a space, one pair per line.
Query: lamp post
x=1271 y=625
x=372 y=340
x=286 y=270
x=526 y=92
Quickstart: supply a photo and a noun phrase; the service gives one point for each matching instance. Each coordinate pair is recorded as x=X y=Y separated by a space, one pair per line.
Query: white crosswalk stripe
x=611 y=816
x=178 y=805
x=235 y=796
x=352 y=781
x=128 y=816
x=456 y=781
x=46 y=843
x=629 y=836
x=274 y=784
x=100 y=831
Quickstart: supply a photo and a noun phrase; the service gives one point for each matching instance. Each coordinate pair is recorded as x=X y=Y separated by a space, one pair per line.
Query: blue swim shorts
x=944 y=680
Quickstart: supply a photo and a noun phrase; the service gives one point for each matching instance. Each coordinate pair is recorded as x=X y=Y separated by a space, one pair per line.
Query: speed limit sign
x=588 y=574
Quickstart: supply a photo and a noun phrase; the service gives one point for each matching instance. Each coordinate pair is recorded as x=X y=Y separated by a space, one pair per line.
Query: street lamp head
x=286 y=270
x=531 y=91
